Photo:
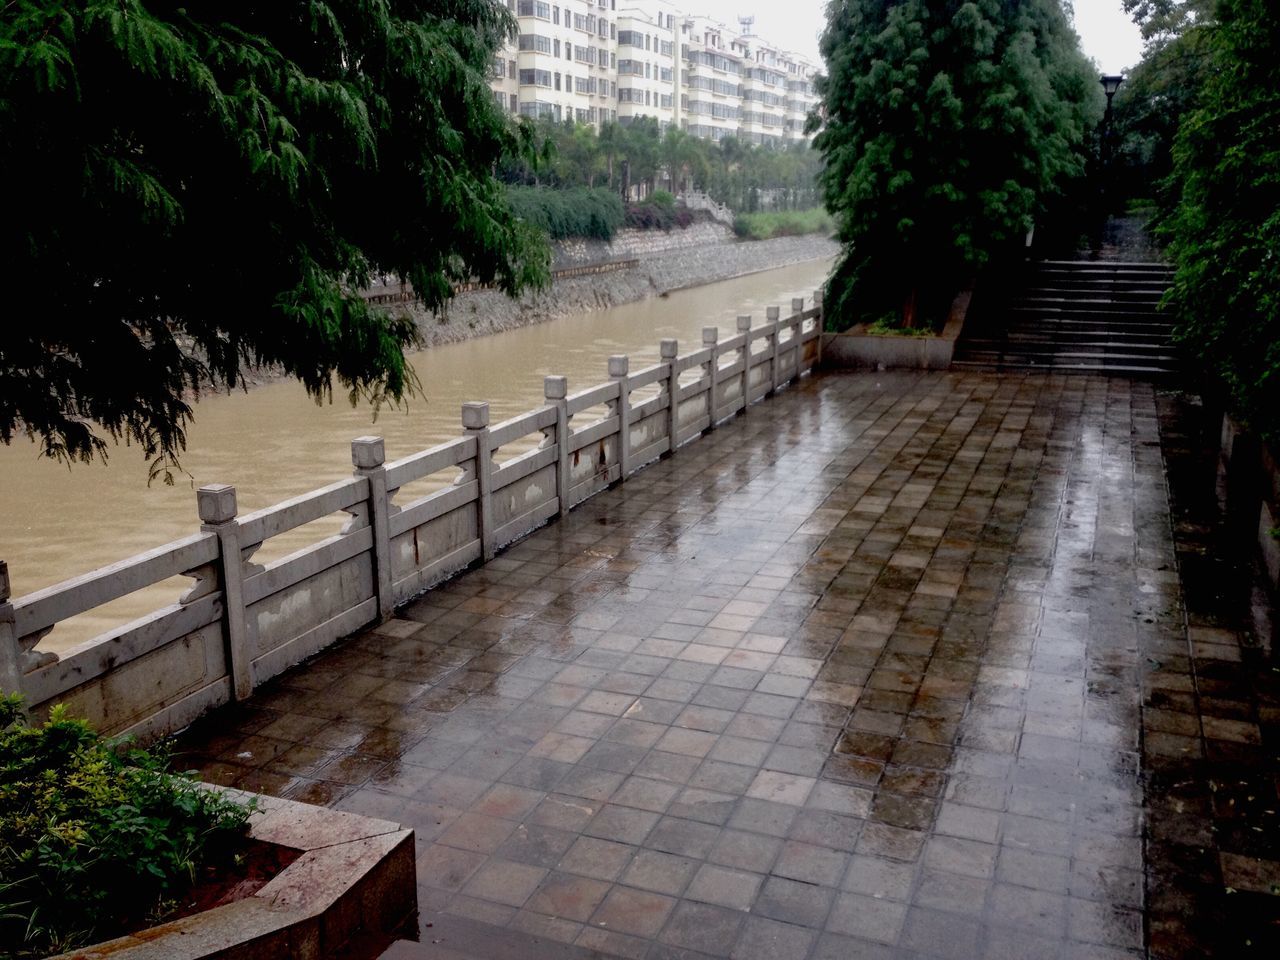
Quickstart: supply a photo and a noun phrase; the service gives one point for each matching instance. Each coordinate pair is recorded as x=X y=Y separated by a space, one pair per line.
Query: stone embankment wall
x=640 y=244
x=483 y=312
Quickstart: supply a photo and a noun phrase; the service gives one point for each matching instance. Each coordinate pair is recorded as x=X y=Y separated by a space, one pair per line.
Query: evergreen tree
x=1158 y=92
x=192 y=189
x=1225 y=231
x=947 y=127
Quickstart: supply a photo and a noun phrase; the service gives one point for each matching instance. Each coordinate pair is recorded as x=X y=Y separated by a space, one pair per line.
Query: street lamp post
x=1110 y=84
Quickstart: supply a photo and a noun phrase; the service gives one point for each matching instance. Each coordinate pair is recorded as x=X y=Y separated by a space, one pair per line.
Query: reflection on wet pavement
x=869 y=672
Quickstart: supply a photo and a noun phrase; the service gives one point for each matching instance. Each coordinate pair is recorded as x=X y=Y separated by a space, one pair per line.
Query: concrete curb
x=857 y=349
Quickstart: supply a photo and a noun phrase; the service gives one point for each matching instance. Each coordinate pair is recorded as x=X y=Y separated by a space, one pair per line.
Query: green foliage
x=1163 y=88
x=791 y=223
x=195 y=188
x=636 y=158
x=948 y=128
x=653 y=213
x=889 y=326
x=1225 y=230
x=93 y=836
x=576 y=212
x=663 y=199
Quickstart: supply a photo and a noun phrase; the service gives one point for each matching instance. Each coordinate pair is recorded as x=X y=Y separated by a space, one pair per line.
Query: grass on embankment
x=782 y=223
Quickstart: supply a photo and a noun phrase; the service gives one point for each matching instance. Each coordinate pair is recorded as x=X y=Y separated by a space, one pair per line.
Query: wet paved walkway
x=859 y=675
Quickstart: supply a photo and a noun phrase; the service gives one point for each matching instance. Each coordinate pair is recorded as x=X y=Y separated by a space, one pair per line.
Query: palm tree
x=611 y=139
x=684 y=157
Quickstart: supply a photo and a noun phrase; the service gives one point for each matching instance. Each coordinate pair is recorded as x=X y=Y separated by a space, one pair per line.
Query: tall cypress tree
x=947 y=127
x=194 y=188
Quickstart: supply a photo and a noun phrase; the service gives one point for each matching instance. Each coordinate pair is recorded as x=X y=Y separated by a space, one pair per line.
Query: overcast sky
x=1109 y=37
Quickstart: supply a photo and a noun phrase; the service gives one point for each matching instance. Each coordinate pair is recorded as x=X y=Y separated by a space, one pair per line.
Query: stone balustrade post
x=775 y=329
x=744 y=329
x=368 y=456
x=556 y=392
x=711 y=341
x=216 y=505
x=820 y=324
x=10 y=656
x=619 y=371
x=797 y=336
x=669 y=350
x=475 y=422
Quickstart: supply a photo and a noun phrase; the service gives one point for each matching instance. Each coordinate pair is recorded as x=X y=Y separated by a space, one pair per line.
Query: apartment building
x=648 y=61
x=564 y=64
x=601 y=60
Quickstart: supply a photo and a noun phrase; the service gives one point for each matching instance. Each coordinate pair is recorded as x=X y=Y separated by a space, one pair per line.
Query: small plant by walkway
x=96 y=839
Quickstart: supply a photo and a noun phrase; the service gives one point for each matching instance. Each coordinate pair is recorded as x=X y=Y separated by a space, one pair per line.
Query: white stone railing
x=696 y=200
x=241 y=622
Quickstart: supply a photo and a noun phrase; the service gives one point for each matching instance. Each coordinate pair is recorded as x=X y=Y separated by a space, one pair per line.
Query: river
x=274 y=442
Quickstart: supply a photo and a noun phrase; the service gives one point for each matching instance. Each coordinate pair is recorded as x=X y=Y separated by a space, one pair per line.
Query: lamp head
x=1110 y=84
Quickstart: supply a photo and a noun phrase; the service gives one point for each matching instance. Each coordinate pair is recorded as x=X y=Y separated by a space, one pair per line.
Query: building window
x=535 y=78
x=535 y=42
x=534 y=8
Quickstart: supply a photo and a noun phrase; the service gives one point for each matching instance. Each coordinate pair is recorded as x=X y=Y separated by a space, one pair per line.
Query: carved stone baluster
x=217 y=506
x=368 y=456
x=669 y=350
x=475 y=421
x=619 y=370
x=744 y=330
x=556 y=392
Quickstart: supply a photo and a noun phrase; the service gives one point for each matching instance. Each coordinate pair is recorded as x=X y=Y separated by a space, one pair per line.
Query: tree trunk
x=909 y=309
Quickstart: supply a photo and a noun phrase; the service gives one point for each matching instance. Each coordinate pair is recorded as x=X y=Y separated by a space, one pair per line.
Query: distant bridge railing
x=241 y=623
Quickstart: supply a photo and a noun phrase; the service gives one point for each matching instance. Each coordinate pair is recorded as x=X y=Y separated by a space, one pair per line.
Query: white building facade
x=596 y=61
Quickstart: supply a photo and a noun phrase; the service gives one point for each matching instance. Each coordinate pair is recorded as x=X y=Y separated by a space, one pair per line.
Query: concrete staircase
x=1086 y=315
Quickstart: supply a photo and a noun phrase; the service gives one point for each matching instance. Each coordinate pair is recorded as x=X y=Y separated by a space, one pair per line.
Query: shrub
x=661 y=198
x=95 y=838
x=658 y=212
x=787 y=223
x=596 y=213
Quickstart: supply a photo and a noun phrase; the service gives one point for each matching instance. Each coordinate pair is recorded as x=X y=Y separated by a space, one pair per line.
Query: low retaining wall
x=858 y=349
x=241 y=623
x=1249 y=489
x=355 y=879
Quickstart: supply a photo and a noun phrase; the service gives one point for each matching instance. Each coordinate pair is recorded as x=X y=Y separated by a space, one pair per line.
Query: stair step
x=1025 y=344
x=1102 y=305
x=1073 y=277
x=1087 y=266
x=1071 y=356
x=1128 y=371
x=1098 y=291
x=1041 y=312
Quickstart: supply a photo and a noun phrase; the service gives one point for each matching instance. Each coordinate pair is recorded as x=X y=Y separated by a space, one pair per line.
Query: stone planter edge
x=355 y=877
x=857 y=349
